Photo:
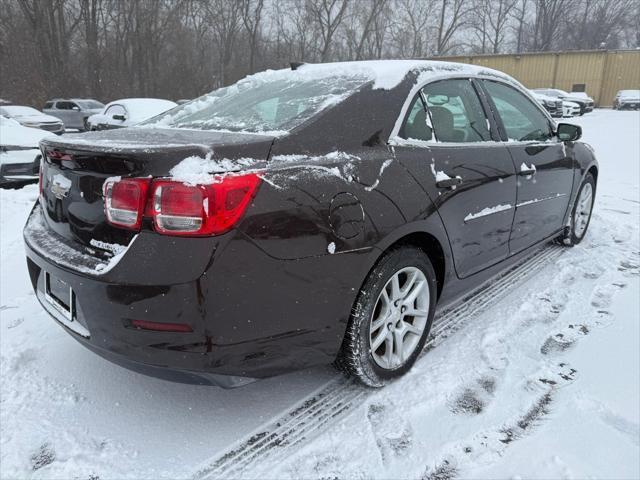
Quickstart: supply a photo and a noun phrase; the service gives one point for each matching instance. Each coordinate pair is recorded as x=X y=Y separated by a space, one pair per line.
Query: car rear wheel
x=391 y=319
x=581 y=214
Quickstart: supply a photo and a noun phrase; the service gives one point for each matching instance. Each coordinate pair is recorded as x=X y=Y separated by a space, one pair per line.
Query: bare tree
x=550 y=16
x=452 y=17
x=251 y=15
x=327 y=16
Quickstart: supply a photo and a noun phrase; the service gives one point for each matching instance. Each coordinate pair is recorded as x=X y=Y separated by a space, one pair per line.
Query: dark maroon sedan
x=300 y=217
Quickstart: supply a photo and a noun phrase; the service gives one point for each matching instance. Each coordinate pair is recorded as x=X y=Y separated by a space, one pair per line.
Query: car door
x=76 y=120
x=448 y=144
x=545 y=170
x=63 y=112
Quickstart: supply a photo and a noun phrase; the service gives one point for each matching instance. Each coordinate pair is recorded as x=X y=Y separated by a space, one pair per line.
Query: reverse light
x=125 y=200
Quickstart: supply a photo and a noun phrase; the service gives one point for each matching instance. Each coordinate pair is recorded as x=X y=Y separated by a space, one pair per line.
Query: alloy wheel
x=399 y=318
x=583 y=210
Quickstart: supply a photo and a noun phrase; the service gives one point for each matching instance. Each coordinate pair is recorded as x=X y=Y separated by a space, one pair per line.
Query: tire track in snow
x=333 y=401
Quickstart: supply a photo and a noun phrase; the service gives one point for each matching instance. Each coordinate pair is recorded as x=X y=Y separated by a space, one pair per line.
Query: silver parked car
x=30 y=117
x=73 y=111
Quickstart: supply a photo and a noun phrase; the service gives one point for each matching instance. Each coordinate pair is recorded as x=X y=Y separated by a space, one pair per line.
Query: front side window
x=273 y=101
x=522 y=119
x=48 y=105
x=456 y=112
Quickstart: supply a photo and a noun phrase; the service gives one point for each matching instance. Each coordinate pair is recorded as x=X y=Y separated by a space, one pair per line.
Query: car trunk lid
x=76 y=167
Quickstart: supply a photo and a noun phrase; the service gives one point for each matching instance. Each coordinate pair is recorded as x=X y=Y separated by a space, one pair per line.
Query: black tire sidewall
x=376 y=280
x=573 y=238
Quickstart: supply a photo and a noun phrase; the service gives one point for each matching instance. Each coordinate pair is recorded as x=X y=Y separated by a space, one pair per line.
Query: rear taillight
x=125 y=200
x=180 y=209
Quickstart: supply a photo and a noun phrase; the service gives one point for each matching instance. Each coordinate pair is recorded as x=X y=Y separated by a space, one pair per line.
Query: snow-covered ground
x=537 y=377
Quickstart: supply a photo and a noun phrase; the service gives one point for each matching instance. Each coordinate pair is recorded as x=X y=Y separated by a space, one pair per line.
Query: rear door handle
x=449 y=182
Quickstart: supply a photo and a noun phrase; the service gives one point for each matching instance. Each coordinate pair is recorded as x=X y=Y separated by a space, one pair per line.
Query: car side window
x=48 y=105
x=523 y=121
x=63 y=105
x=456 y=112
x=415 y=126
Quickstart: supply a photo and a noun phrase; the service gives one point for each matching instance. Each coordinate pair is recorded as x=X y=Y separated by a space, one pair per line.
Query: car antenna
x=296 y=65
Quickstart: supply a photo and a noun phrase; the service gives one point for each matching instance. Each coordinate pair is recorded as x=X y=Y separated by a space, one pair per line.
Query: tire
x=579 y=224
x=416 y=278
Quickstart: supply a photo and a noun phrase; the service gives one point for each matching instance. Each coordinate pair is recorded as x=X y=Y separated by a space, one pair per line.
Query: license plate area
x=60 y=296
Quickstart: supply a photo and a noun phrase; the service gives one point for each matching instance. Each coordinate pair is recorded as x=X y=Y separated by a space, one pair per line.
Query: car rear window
x=261 y=105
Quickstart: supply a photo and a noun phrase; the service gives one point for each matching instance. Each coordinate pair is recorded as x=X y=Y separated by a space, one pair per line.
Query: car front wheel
x=392 y=317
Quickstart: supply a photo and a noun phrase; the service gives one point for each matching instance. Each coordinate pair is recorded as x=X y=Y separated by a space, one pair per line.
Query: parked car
x=627 y=99
x=570 y=109
x=301 y=216
x=30 y=117
x=73 y=112
x=552 y=104
x=4 y=102
x=586 y=102
x=19 y=152
x=127 y=112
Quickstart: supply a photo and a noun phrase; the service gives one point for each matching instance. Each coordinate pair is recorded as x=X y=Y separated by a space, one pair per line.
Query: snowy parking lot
x=536 y=376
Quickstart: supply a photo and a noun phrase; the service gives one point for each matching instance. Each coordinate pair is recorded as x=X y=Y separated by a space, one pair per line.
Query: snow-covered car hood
x=43 y=117
x=15 y=135
x=578 y=96
x=542 y=98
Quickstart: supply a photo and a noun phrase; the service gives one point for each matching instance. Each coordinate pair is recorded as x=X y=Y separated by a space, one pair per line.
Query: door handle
x=528 y=172
x=449 y=182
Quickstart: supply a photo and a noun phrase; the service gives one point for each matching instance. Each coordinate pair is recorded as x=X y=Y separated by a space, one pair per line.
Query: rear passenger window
x=48 y=105
x=415 y=126
x=456 y=112
x=523 y=121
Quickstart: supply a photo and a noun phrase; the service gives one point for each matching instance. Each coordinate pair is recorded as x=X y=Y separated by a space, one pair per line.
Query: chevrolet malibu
x=300 y=217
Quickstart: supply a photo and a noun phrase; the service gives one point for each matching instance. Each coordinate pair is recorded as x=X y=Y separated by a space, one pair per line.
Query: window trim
x=395 y=139
x=500 y=124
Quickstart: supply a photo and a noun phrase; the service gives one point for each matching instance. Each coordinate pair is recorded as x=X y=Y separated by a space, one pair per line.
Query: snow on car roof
x=385 y=74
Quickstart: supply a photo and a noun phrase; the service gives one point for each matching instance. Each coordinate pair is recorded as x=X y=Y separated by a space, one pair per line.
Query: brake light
x=125 y=200
x=201 y=210
x=177 y=208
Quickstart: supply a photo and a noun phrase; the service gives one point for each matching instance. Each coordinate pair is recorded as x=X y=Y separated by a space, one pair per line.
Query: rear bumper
x=252 y=315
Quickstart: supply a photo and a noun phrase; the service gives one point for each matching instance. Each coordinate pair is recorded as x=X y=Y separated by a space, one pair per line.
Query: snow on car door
x=545 y=171
x=470 y=178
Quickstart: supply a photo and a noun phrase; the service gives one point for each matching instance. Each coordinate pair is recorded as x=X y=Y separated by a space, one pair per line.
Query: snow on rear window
x=272 y=103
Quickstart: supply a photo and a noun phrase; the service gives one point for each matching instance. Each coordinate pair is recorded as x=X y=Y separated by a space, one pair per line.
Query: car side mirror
x=122 y=118
x=569 y=133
